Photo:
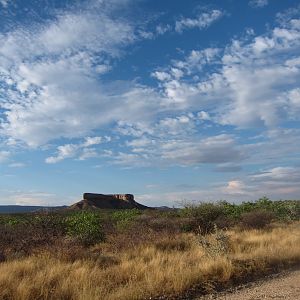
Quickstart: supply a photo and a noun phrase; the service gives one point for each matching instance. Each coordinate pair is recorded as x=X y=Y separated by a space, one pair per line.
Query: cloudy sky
x=169 y=100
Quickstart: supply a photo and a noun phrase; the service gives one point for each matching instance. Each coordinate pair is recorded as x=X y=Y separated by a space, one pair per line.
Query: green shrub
x=284 y=210
x=123 y=219
x=86 y=227
x=287 y=210
x=231 y=211
x=13 y=220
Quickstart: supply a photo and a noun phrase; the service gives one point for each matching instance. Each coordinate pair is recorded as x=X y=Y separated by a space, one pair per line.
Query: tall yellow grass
x=169 y=266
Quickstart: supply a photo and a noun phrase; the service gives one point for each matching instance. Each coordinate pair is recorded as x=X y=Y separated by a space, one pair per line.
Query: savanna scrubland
x=145 y=254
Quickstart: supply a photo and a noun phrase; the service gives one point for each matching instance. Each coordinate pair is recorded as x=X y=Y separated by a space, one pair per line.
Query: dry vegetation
x=146 y=256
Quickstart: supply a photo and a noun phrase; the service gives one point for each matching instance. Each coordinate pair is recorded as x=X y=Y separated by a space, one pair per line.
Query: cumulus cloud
x=82 y=150
x=172 y=142
x=63 y=152
x=50 y=75
x=252 y=82
x=202 y=21
x=90 y=141
x=52 y=88
x=235 y=187
x=217 y=149
x=203 y=115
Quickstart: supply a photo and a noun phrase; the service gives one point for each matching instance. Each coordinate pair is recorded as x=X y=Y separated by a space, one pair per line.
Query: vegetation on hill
x=134 y=254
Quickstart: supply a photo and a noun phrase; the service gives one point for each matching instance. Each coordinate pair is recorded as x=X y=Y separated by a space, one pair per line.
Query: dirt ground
x=281 y=286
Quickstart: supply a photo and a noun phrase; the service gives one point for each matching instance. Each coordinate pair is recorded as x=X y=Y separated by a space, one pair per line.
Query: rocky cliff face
x=112 y=201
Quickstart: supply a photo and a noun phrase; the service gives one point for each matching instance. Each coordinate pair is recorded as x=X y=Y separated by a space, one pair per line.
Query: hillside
x=112 y=201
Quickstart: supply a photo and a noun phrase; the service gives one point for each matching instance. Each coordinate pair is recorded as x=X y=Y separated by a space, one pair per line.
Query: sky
x=172 y=101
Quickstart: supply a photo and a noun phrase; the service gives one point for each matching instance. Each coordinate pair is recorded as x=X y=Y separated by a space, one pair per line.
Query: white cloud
x=215 y=149
x=203 y=115
x=17 y=165
x=258 y=3
x=162 y=76
x=197 y=59
x=162 y=29
x=4 y=156
x=277 y=145
x=142 y=142
x=174 y=141
x=172 y=145
x=88 y=153
x=288 y=15
x=283 y=174
x=235 y=187
x=130 y=160
x=81 y=150
x=136 y=129
x=89 y=141
x=280 y=182
x=63 y=152
x=203 y=21
x=294 y=99
x=182 y=124
x=5 y=3
x=51 y=85
x=252 y=82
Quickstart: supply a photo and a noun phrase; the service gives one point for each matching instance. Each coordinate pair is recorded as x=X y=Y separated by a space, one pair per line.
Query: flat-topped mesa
x=111 y=201
x=125 y=197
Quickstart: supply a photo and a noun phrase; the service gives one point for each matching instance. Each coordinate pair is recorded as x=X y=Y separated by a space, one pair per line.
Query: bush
x=125 y=218
x=256 y=219
x=287 y=210
x=86 y=227
x=202 y=217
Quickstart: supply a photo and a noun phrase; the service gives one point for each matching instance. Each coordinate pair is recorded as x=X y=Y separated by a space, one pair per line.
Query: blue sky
x=169 y=100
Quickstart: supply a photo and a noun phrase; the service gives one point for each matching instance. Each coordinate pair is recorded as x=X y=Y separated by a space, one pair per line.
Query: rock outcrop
x=113 y=201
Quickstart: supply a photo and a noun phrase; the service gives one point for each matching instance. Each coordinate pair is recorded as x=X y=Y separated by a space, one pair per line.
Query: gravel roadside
x=285 y=286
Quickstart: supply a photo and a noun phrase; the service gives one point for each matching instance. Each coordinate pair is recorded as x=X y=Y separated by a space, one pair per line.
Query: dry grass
x=169 y=266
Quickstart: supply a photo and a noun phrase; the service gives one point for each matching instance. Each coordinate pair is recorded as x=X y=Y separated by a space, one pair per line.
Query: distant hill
x=12 y=209
x=101 y=201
